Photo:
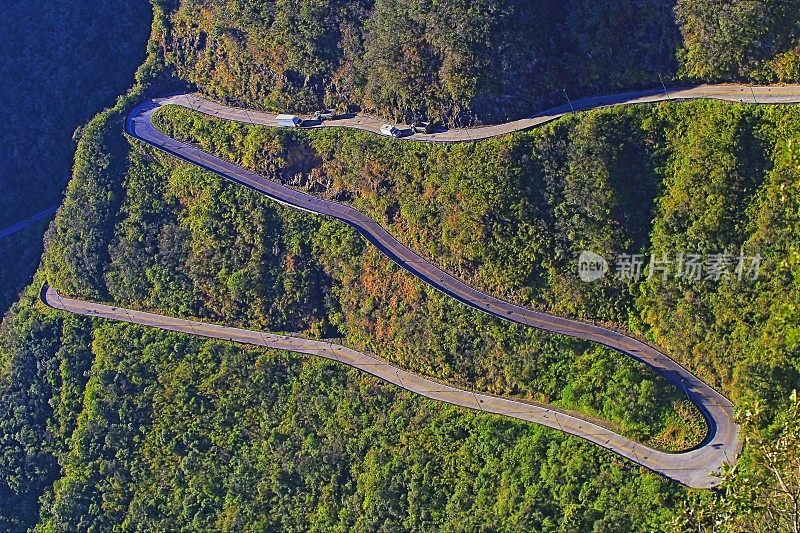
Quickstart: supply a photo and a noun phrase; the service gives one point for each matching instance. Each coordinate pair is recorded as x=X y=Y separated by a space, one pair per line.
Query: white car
x=291 y=121
x=389 y=130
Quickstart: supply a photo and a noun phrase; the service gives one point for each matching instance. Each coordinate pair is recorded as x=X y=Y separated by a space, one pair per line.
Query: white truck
x=290 y=121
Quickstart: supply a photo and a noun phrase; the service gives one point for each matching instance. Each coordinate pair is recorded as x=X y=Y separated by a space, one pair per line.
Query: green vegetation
x=60 y=63
x=455 y=60
x=510 y=215
x=381 y=308
x=740 y=39
x=175 y=431
x=723 y=178
x=463 y=62
x=112 y=426
x=151 y=429
x=763 y=491
x=186 y=242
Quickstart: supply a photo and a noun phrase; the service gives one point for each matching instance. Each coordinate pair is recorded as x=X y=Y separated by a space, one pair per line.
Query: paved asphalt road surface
x=691 y=468
x=694 y=468
x=784 y=94
x=22 y=224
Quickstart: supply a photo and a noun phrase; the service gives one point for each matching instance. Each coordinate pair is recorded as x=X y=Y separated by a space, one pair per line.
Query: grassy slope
x=511 y=215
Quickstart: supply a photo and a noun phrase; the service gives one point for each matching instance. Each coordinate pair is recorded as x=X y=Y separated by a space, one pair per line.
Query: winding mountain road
x=661 y=462
x=26 y=223
x=695 y=468
x=778 y=94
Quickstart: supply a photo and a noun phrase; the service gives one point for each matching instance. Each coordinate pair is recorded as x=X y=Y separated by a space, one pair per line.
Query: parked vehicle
x=389 y=130
x=290 y=121
x=422 y=127
x=325 y=114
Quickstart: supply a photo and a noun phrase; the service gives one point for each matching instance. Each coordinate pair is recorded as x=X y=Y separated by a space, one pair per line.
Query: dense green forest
x=510 y=215
x=740 y=40
x=174 y=430
x=60 y=63
x=186 y=242
x=456 y=60
x=467 y=61
x=106 y=425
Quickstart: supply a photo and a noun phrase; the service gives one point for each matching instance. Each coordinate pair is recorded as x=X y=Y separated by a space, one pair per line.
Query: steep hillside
x=62 y=62
x=107 y=425
x=740 y=39
x=189 y=243
x=457 y=60
x=465 y=61
x=511 y=215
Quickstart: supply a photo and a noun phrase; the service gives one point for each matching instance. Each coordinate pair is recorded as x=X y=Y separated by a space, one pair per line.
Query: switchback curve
x=695 y=468
x=669 y=465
